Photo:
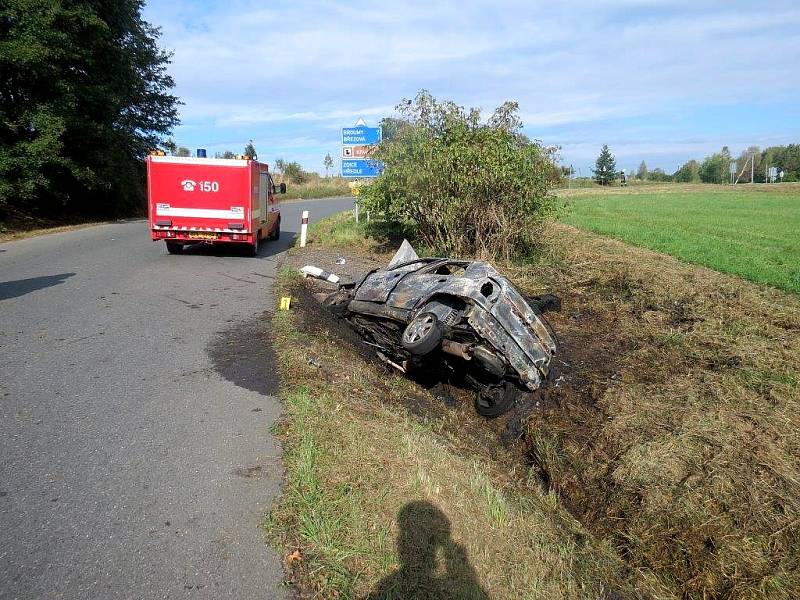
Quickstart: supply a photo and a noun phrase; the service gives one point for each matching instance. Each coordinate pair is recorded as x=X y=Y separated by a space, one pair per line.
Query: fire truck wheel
x=174 y=247
x=276 y=233
x=252 y=249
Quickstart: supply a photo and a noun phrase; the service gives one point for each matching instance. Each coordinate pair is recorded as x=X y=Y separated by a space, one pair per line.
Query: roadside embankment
x=661 y=461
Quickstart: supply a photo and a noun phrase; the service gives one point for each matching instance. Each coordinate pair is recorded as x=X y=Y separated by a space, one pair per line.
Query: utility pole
x=752 y=167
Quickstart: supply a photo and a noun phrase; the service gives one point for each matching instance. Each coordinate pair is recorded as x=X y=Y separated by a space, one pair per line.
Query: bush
x=467 y=188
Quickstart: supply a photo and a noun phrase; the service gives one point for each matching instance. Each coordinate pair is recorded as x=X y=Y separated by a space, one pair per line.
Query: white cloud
x=296 y=70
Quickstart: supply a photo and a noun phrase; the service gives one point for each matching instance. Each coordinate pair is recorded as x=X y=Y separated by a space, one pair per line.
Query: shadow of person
x=432 y=565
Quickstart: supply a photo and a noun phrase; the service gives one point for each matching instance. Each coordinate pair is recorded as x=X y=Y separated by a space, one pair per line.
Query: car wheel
x=423 y=334
x=495 y=401
x=174 y=247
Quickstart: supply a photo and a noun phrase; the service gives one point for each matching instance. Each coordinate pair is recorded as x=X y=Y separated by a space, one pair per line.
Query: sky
x=657 y=81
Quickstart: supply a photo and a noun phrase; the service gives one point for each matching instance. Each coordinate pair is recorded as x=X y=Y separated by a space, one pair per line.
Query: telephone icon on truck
x=188 y=185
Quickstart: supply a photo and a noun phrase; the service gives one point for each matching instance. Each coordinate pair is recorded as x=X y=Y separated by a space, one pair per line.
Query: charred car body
x=460 y=315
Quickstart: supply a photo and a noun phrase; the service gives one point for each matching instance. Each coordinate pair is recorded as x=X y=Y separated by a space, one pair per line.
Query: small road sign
x=359 y=167
x=357 y=151
x=360 y=135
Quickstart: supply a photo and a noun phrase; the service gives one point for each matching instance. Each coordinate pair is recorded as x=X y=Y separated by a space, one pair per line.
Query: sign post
x=358 y=144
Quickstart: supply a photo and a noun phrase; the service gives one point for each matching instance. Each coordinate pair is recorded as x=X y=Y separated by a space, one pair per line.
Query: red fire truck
x=211 y=201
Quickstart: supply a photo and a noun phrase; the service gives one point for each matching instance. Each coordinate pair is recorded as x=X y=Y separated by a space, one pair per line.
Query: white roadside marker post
x=303 y=229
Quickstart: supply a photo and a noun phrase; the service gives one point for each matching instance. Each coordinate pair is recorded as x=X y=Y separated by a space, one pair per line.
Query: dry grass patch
x=670 y=430
x=385 y=501
x=676 y=432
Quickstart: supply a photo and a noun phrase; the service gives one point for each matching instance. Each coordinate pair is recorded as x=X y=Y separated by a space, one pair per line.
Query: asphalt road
x=134 y=461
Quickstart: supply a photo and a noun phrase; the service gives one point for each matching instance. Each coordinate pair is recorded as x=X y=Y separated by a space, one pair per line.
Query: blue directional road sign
x=360 y=135
x=361 y=167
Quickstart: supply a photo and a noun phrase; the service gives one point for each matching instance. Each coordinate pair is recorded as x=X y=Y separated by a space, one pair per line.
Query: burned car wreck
x=458 y=315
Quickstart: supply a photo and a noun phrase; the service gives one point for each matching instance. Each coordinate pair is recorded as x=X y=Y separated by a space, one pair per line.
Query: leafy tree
x=250 y=151
x=183 y=151
x=280 y=165
x=605 y=170
x=743 y=165
x=786 y=159
x=466 y=187
x=688 y=173
x=390 y=127
x=659 y=175
x=294 y=172
x=641 y=173
x=328 y=163
x=84 y=94
x=170 y=146
x=716 y=168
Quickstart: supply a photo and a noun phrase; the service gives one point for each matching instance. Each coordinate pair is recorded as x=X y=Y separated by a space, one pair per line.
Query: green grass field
x=753 y=233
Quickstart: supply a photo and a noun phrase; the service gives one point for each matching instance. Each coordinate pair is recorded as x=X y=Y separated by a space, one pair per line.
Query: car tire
x=423 y=334
x=276 y=234
x=495 y=401
x=174 y=247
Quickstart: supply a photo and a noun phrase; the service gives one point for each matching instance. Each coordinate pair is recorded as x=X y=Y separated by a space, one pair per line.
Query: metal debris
x=317 y=273
x=458 y=317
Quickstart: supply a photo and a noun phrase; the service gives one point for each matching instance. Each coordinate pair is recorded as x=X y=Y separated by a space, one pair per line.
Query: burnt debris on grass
x=448 y=320
x=669 y=428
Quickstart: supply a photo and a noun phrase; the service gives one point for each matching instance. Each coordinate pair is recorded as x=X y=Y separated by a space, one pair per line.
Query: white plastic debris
x=404 y=254
x=317 y=273
x=341 y=260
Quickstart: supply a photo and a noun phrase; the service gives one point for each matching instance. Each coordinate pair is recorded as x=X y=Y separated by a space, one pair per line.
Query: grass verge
x=26 y=229
x=670 y=433
x=382 y=503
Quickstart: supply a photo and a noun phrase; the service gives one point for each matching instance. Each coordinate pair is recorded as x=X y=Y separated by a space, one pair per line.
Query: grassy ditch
x=675 y=435
x=669 y=432
x=382 y=502
x=740 y=230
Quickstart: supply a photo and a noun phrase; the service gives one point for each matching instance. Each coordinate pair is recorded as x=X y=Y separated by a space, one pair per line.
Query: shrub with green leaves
x=466 y=187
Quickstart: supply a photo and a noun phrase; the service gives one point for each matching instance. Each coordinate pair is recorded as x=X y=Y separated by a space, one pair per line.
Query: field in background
x=750 y=231
x=317 y=187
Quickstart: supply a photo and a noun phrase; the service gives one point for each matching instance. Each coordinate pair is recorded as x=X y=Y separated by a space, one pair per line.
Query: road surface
x=135 y=460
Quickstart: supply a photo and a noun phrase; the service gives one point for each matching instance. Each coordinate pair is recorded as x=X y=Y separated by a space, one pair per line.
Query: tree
x=250 y=151
x=659 y=175
x=389 y=128
x=183 y=151
x=84 y=96
x=463 y=186
x=294 y=172
x=605 y=170
x=688 y=173
x=641 y=174
x=170 y=146
x=280 y=165
x=328 y=163
x=716 y=168
x=785 y=158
